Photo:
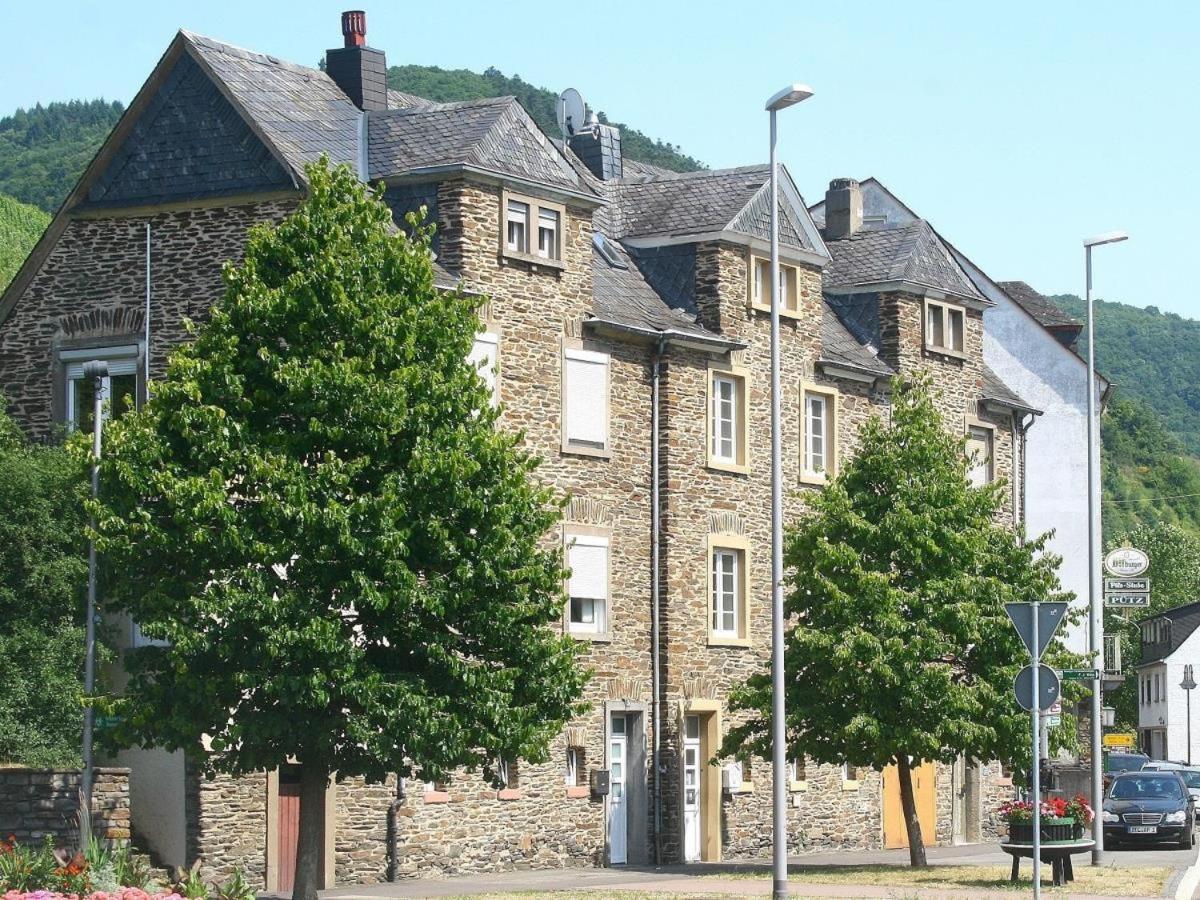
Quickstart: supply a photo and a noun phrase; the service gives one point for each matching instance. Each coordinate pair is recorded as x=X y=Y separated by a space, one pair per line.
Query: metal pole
x=1036 y=769
x=778 y=730
x=1095 y=623
x=95 y=372
x=1189 y=725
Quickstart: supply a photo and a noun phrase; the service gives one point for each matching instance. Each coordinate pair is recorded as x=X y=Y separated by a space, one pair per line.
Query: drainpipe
x=655 y=541
x=146 y=388
x=1020 y=428
x=393 y=829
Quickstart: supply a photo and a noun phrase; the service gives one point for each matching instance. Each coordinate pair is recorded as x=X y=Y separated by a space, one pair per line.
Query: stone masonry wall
x=35 y=803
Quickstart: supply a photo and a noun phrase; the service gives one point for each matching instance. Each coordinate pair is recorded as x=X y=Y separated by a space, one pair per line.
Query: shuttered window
x=118 y=389
x=587 y=558
x=585 y=400
x=484 y=357
x=979 y=455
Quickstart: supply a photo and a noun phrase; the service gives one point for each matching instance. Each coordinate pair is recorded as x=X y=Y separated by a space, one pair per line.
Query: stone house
x=626 y=335
x=1170 y=641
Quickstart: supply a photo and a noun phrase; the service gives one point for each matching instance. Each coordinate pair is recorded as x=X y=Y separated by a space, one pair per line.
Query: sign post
x=1036 y=623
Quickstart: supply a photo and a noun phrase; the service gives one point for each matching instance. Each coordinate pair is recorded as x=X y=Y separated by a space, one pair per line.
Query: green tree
x=318 y=512
x=20 y=227
x=43 y=570
x=1174 y=579
x=899 y=650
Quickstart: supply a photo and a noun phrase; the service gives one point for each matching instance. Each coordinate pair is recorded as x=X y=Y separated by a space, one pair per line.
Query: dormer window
x=533 y=230
x=789 y=282
x=945 y=328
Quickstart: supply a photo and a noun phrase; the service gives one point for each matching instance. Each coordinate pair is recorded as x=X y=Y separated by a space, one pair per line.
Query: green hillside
x=449 y=85
x=44 y=150
x=20 y=227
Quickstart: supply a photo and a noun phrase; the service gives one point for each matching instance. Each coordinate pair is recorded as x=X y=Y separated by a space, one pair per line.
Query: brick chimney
x=843 y=209
x=358 y=70
x=599 y=148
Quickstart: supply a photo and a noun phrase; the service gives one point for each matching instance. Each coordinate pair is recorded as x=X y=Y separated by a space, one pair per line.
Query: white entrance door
x=618 y=801
x=691 y=789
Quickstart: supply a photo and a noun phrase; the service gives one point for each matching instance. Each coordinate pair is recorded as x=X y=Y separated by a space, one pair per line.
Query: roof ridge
x=211 y=43
x=701 y=173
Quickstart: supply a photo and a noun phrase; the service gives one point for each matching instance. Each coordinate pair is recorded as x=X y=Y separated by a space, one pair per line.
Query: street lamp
x=1188 y=684
x=1095 y=611
x=96 y=372
x=789 y=96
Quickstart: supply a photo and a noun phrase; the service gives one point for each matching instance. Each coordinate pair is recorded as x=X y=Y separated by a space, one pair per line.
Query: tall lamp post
x=96 y=372
x=1095 y=610
x=789 y=96
x=1188 y=684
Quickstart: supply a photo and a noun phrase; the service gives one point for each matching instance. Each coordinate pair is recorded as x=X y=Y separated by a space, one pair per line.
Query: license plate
x=1143 y=829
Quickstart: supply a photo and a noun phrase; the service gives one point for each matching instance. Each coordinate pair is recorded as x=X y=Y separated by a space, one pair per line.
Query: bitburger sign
x=1126 y=562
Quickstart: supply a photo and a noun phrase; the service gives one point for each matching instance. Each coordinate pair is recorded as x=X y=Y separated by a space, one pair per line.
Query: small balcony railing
x=1112 y=654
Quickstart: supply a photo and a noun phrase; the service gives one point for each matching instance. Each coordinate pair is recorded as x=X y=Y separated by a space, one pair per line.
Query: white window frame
x=789 y=279
x=809 y=474
x=740 y=460
x=719 y=545
x=725 y=602
x=486 y=341
x=122 y=359
x=944 y=314
x=573 y=443
x=571 y=777
x=554 y=231
x=531 y=216
x=975 y=428
x=518 y=217
x=600 y=628
x=797 y=773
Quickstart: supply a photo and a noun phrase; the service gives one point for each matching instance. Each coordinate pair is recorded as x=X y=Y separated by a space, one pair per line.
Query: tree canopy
x=20 y=227
x=318 y=512
x=899 y=649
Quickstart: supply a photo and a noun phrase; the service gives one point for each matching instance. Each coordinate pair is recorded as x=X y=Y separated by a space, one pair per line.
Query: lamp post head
x=789 y=96
x=97 y=368
x=1189 y=682
x=1109 y=237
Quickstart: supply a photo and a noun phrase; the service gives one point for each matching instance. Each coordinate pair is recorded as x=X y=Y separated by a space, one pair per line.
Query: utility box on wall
x=598 y=781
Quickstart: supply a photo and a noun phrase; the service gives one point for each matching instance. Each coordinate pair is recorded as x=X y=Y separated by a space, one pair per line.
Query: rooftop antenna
x=572 y=113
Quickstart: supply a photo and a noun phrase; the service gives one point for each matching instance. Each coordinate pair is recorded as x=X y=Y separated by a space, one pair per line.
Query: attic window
x=532 y=230
x=945 y=328
x=608 y=251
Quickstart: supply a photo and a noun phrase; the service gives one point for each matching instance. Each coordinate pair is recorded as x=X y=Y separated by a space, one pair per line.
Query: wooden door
x=895 y=834
x=289 y=826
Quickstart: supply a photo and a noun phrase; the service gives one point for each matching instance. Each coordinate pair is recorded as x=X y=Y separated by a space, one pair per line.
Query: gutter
x=712 y=344
x=1021 y=427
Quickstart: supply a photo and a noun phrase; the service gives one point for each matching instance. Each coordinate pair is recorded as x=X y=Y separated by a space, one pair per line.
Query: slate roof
x=1038 y=305
x=911 y=253
x=840 y=347
x=681 y=204
x=300 y=111
x=995 y=390
x=1184 y=620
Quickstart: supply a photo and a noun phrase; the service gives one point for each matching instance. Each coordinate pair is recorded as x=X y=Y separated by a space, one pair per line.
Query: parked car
x=1190 y=776
x=1149 y=807
x=1115 y=763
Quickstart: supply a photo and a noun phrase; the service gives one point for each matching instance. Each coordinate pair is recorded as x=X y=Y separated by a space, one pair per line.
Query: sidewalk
x=706 y=879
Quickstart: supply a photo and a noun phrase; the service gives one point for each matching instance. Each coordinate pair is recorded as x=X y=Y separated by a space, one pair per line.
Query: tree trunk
x=916 y=846
x=314 y=777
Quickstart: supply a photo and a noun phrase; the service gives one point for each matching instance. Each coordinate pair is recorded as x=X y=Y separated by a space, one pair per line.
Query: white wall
x=1172 y=711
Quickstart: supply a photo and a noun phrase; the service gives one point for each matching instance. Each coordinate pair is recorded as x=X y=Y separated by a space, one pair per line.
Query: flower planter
x=1053 y=831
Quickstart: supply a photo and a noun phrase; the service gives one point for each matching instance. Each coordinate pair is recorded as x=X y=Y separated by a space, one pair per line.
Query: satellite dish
x=572 y=112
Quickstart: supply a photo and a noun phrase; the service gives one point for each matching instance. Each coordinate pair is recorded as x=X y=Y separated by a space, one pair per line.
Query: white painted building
x=1028 y=345
x=1170 y=641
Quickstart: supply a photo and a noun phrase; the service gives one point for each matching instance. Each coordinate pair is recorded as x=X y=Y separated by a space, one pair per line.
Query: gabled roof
x=1038 y=305
x=911 y=254
x=655 y=204
x=1184 y=621
x=494 y=135
x=839 y=347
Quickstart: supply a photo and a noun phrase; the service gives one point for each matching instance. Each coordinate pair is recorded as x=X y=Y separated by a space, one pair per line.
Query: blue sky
x=1017 y=128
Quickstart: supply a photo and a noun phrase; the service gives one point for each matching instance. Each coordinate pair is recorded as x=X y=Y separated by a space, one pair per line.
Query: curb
x=1190 y=881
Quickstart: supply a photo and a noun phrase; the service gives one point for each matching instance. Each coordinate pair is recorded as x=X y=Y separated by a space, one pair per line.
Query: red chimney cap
x=354 y=28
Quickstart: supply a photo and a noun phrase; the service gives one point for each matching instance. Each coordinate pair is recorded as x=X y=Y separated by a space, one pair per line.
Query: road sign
x=1048 y=687
x=1127 y=585
x=1050 y=616
x=1053 y=721
x=1080 y=674
x=1126 y=562
x=1127 y=600
x=1123 y=741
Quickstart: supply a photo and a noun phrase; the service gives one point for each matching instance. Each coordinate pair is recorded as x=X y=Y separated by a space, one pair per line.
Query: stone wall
x=227 y=825
x=35 y=803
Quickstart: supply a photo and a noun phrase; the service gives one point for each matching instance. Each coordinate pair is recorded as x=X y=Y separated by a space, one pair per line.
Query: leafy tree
x=318 y=512
x=899 y=650
x=1175 y=580
x=20 y=227
x=43 y=570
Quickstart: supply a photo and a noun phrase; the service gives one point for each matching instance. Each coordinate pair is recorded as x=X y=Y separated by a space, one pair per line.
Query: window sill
x=798 y=787
x=578 y=792
x=597 y=452
x=721 y=640
x=595 y=637
x=509 y=794
x=945 y=351
x=437 y=797
x=735 y=468
x=819 y=479
x=783 y=313
x=530 y=259
x=849 y=785
x=746 y=788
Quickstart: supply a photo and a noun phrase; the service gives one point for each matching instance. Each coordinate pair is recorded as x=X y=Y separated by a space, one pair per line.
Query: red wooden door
x=289 y=826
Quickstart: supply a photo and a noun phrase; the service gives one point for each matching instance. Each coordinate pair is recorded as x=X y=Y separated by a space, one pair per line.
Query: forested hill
x=450 y=85
x=20 y=227
x=1151 y=356
x=44 y=150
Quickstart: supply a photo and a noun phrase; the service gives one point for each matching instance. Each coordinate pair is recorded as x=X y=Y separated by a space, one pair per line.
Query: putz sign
x=1126 y=562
